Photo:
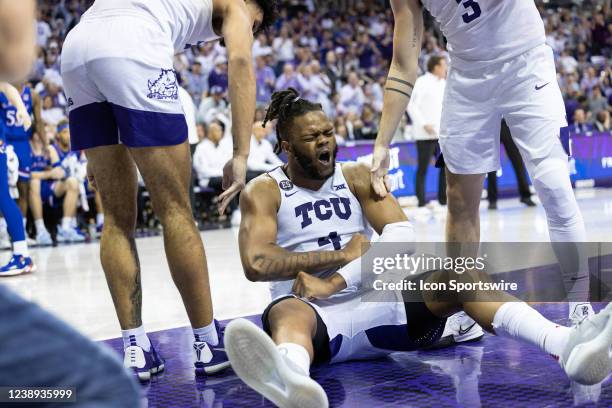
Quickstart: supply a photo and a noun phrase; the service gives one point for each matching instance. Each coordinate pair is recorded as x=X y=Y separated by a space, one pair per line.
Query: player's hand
x=24 y=117
x=358 y=244
x=90 y=179
x=312 y=287
x=380 y=168
x=234 y=180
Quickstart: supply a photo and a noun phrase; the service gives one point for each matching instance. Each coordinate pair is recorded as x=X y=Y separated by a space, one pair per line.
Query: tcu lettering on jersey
x=323 y=210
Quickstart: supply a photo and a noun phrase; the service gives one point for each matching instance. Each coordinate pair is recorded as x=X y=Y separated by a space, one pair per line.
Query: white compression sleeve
x=399 y=232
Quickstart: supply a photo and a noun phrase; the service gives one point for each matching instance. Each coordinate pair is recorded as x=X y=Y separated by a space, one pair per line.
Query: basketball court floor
x=493 y=372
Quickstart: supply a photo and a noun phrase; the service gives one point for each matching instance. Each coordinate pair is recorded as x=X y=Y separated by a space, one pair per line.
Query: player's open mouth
x=325 y=158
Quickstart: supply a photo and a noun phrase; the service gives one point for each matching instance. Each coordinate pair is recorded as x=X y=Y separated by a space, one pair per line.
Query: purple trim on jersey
x=97 y=125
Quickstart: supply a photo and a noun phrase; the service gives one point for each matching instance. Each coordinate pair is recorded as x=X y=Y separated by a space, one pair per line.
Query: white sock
x=99 y=219
x=518 y=320
x=66 y=223
x=207 y=334
x=137 y=337
x=20 y=248
x=73 y=222
x=297 y=355
x=24 y=221
x=40 y=226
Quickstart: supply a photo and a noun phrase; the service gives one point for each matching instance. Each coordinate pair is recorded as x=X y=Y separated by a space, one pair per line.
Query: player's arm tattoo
x=287 y=265
x=400 y=86
x=401 y=81
x=398 y=91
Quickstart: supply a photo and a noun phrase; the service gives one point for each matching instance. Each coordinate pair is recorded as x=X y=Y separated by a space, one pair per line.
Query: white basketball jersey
x=323 y=220
x=481 y=32
x=188 y=22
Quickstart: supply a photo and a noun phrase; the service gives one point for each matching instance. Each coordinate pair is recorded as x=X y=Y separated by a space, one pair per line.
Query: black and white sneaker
x=460 y=328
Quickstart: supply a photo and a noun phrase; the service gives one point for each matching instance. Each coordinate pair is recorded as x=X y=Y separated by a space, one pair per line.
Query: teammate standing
x=11 y=105
x=19 y=137
x=124 y=110
x=500 y=68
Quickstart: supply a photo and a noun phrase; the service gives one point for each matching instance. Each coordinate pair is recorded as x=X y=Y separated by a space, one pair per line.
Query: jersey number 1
x=473 y=14
x=333 y=238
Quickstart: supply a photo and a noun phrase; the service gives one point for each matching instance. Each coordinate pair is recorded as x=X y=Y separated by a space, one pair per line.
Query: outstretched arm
x=262 y=259
x=238 y=36
x=407 y=35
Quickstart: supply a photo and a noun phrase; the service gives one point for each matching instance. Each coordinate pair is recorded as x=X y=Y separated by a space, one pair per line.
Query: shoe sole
x=256 y=361
x=211 y=370
x=146 y=375
x=449 y=341
x=590 y=363
x=18 y=272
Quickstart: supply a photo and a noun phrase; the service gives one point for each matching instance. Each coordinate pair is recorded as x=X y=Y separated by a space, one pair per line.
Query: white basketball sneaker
x=257 y=361
x=587 y=358
x=460 y=328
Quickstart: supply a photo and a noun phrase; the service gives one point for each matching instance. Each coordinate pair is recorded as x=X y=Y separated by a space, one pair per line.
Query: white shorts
x=523 y=91
x=120 y=83
x=358 y=329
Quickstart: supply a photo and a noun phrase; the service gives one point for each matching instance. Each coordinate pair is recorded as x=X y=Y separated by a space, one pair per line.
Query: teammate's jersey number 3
x=473 y=10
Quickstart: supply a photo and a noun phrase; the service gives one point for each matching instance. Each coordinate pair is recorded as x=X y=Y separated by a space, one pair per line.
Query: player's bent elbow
x=252 y=274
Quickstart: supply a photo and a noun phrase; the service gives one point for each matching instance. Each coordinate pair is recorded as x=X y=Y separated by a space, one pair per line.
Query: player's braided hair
x=285 y=106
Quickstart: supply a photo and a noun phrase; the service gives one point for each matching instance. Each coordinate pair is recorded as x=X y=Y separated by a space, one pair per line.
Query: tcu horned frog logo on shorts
x=165 y=86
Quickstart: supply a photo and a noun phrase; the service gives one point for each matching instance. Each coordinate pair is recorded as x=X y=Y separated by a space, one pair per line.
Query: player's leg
x=68 y=189
x=24 y=153
x=463 y=222
x=167 y=172
x=116 y=179
x=423 y=158
x=276 y=363
x=99 y=212
x=535 y=114
x=20 y=261
x=115 y=175
x=583 y=351
x=517 y=164
x=36 y=206
x=469 y=140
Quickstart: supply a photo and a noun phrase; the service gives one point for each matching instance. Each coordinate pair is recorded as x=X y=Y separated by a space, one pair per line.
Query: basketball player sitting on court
x=302 y=229
x=52 y=183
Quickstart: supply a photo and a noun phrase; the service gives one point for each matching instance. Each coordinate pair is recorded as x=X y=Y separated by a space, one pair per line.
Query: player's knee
x=72 y=184
x=461 y=204
x=174 y=214
x=123 y=220
x=551 y=181
x=291 y=313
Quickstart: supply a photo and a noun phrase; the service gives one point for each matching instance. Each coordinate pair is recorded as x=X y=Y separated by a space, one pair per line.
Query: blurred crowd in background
x=336 y=53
